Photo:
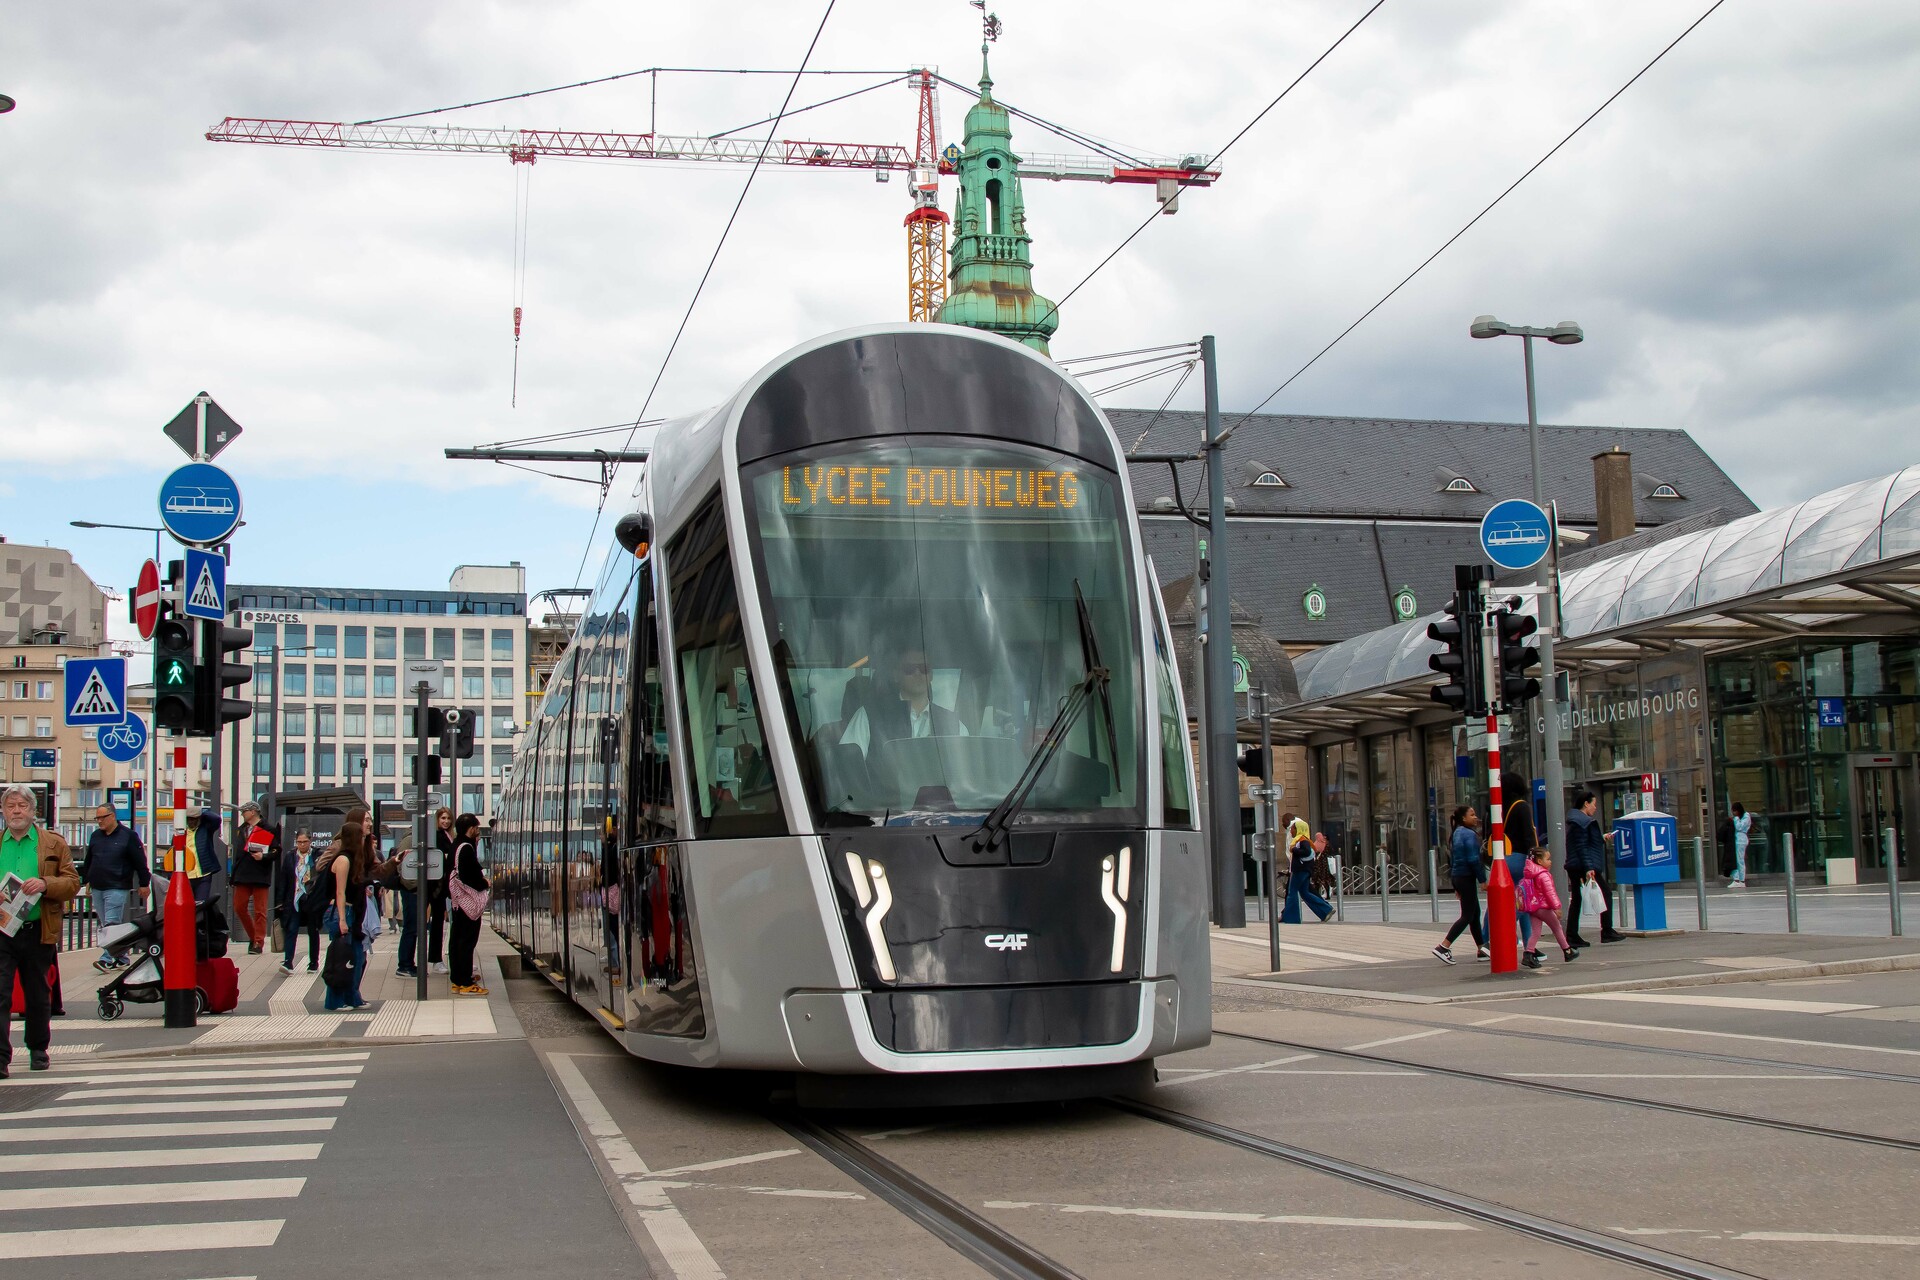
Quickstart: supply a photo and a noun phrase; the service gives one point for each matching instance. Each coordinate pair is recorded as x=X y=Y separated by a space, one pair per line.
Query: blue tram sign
x=200 y=504
x=1515 y=534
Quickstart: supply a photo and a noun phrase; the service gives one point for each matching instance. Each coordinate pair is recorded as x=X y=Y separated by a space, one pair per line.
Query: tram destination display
x=839 y=485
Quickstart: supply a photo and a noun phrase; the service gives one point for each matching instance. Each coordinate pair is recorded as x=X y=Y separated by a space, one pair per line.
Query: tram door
x=1880 y=803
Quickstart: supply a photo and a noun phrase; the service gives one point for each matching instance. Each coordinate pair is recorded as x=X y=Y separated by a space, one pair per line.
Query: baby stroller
x=139 y=941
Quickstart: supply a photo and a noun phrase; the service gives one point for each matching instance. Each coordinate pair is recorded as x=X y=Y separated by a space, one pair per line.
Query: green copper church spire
x=991 y=283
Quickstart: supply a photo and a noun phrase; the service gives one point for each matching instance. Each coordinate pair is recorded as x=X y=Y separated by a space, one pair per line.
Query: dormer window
x=1664 y=491
x=1459 y=484
x=1270 y=480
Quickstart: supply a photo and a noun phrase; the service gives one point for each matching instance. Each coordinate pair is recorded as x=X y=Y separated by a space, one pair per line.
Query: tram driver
x=911 y=714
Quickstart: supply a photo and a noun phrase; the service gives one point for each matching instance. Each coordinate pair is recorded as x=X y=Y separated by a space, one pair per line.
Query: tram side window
x=733 y=784
x=653 y=816
x=1174 y=794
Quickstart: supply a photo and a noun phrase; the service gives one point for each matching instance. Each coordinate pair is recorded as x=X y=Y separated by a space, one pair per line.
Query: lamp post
x=1564 y=334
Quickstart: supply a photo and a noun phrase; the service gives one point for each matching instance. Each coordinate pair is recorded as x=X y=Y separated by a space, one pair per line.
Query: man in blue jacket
x=114 y=869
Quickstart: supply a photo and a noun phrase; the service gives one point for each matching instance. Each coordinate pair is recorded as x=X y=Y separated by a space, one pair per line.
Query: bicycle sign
x=121 y=743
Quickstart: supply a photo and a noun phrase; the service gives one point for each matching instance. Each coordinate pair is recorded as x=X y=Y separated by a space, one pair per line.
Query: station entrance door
x=1883 y=801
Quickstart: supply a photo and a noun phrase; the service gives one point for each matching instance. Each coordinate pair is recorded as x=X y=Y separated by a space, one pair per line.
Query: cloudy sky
x=1736 y=234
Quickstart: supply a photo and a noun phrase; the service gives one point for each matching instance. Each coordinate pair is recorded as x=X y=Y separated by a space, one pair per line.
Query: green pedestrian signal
x=174 y=681
x=176 y=675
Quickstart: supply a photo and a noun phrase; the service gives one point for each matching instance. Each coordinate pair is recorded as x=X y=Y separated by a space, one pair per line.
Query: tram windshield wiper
x=994 y=828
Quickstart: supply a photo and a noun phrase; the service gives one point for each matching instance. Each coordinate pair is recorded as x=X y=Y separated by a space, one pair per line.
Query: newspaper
x=15 y=902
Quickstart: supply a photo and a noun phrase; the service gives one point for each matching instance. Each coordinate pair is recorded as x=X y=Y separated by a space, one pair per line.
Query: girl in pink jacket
x=1541 y=900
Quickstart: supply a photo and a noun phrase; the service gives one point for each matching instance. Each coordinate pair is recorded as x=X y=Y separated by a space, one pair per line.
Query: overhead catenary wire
x=1471 y=222
x=705 y=275
x=1244 y=130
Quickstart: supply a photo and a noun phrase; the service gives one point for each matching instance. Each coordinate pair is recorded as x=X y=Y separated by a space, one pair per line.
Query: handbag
x=467 y=900
x=1592 y=901
x=337 y=972
x=279 y=934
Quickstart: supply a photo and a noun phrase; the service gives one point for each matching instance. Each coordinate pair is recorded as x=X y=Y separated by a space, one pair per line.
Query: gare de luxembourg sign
x=1595 y=710
x=824 y=486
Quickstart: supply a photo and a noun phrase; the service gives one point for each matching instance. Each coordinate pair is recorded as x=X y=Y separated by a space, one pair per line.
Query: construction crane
x=925 y=224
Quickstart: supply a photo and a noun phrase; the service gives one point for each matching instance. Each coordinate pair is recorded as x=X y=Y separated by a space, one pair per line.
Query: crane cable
x=522 y=216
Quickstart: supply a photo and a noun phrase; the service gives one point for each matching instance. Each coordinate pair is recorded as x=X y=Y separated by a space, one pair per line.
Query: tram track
x=1588 y=1042
x=1592 y=1095
x=1565 y=1234
x=973 y=1236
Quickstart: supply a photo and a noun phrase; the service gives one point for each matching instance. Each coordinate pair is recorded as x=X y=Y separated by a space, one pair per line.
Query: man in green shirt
x=42 y=860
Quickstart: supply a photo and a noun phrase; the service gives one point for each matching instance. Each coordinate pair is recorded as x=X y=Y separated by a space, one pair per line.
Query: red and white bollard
x=1503 y=927
x=179 y=957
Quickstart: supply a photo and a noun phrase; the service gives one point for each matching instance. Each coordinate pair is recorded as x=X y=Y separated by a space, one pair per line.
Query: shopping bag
x=279 y=935
x=1592 y=901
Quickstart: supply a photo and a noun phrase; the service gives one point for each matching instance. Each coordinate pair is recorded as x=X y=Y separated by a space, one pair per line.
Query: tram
x=867 y=758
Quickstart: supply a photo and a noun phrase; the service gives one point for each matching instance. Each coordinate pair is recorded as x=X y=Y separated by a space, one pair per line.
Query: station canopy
x=1845 y=562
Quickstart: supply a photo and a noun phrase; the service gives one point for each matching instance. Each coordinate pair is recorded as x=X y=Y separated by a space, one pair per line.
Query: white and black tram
x=867 y=756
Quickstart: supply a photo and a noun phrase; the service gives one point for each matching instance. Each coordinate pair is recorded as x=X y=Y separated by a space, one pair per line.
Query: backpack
x=1526 y=893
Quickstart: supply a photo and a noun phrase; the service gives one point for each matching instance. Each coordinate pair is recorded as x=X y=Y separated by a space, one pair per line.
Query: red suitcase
x=220 y=980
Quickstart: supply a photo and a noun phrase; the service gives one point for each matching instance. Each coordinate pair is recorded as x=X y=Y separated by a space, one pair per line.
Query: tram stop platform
x=282 y=1010
x=1394 y=963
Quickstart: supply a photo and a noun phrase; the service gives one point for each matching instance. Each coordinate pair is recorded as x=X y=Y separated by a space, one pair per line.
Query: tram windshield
x=924 y=605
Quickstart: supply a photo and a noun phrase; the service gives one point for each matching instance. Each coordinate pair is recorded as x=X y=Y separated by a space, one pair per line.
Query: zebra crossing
x=130 y=1158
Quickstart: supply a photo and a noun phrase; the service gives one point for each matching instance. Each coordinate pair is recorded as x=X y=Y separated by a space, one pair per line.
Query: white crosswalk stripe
x=168 y=1197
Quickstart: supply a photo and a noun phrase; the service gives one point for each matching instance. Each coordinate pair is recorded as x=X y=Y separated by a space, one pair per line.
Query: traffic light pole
x=1223 y=793
x=1549 y=615
x=422 y=835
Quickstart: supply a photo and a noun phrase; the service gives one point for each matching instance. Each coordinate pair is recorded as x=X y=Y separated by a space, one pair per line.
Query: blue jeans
x=1299 y=890
x=110 y=907
x=349 y=999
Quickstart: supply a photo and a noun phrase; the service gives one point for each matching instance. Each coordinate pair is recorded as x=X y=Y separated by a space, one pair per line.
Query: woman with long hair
x=348 y=865
x=437 y=890
x=1468 y=872
x=469 y=887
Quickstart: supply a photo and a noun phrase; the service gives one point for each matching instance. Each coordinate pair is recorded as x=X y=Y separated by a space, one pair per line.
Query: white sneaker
x=1736 y=884
x=436 y=967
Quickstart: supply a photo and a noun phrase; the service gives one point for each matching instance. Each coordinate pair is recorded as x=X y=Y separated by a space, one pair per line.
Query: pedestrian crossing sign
x=206 y=585
x=96 y=691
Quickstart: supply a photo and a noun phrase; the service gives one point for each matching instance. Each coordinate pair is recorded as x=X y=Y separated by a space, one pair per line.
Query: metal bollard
x=1339 y=890
x=1892 y=844
x=1700 y=879
x=1385 y=917
x=1793 y=892
x=1433 y=881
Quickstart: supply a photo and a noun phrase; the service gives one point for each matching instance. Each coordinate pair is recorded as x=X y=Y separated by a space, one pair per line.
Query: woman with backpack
x=1540 y=899
x=1468 y=872
x=468 y=888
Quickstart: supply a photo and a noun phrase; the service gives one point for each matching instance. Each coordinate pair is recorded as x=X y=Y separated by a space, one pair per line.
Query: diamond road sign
x=96 y=691
x=186 y=430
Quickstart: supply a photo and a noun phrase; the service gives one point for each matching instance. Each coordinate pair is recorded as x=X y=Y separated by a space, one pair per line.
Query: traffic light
x=1515 y=657
x=175 y=681
x=459 y=733
x=433 y=771
x=1253 y=762
x=436 y=723
x=216 y=676
x=1459 y=660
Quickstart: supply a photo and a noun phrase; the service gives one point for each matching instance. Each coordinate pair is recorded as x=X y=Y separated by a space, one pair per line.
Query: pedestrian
x=203 y=827
x=291 y=879
x=115 y=869
x=1303 y=851
x=347 y=869
x=1587 y=861
x=1742 y=834
x=1522 y=839
x=469 y=888
x=1541 y=900
x=44 y=864
x=437 y=890
x=254 y=863
x=1467 y=871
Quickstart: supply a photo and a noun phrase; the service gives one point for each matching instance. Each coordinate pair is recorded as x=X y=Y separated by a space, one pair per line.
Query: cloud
x=1735 y=232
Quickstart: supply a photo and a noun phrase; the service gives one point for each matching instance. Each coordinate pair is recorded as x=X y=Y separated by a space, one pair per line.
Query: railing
x=79 y=927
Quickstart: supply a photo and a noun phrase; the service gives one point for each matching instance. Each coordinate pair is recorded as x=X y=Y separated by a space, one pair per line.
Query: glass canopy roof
x=1794 y=568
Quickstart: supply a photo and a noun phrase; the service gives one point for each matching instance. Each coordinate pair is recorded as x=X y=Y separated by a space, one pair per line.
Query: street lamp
x=1565 y=334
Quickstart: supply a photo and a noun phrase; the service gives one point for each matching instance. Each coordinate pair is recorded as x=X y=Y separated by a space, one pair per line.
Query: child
x=1541 y=900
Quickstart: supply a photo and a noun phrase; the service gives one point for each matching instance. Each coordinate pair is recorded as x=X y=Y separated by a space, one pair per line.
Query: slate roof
x=1396 y=469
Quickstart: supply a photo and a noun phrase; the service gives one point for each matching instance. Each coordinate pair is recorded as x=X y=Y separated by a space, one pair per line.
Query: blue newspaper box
x=1646 y=858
